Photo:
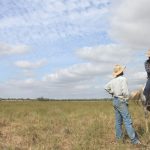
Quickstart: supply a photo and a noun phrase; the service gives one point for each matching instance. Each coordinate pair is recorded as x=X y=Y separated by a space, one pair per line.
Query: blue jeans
x=122 y=115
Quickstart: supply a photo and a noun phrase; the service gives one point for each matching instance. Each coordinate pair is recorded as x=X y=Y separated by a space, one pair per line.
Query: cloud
x=22 y=88
x=97 y=71
x=23 y=64
x=77 y=73
x=47 y=12
x=28 y=73
x=56 y=19
x=111 y=53
x=137 y=76
x=84 y=80
x=130 y=23
x=10 y=49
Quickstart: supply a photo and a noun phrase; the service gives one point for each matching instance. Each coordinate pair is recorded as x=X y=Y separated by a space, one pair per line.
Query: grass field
x=64 y=125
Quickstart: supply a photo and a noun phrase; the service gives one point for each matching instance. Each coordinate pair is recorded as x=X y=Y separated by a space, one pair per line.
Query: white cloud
x=111 y=53
x=85 y=80
x=9 y=49
x=22 y=88
x=23 y=64
x=139 y=75
x=48 y=12
x=130 y=23
x=136 y=75
x=100 y=62
x=28 y=73
x=77 y=73
x=58 y=19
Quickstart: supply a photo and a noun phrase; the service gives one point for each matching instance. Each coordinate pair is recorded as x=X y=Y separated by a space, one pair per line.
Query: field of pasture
x=65 y=125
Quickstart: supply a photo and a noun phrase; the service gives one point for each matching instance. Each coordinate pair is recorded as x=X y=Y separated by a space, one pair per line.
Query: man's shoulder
x=120 y=78
x=123 y=78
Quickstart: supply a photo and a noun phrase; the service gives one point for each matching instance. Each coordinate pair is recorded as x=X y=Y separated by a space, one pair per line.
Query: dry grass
x=64 y=126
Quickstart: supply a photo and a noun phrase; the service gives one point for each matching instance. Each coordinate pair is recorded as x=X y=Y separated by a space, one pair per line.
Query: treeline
x=49 y=99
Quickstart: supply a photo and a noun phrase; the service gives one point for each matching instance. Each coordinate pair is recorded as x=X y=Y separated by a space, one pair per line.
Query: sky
x=66 y=49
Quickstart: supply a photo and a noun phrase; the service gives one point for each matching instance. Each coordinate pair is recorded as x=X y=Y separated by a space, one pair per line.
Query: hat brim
x=119 y=72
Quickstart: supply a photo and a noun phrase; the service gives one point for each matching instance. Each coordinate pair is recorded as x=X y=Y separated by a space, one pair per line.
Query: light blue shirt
x=118 y=87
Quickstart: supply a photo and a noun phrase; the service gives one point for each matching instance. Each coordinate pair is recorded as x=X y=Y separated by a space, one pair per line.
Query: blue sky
x=67 y=49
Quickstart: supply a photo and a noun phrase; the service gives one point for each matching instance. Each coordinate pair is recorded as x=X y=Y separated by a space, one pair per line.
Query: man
x=147 y=87
x=118 y=88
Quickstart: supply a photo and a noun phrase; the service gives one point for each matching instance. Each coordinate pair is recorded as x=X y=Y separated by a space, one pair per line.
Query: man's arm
x=125 y=91
x=108 y=88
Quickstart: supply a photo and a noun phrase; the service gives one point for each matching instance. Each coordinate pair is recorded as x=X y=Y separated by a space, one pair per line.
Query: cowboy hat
x=148 y=53
x=118 y=69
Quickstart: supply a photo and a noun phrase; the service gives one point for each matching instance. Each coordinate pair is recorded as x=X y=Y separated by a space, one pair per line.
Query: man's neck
x=119 y=76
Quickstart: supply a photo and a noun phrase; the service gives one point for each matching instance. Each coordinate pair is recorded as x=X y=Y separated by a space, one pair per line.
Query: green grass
x=64 y=125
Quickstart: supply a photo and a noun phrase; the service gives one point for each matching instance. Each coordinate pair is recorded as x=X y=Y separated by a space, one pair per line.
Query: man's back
x=118 y=87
